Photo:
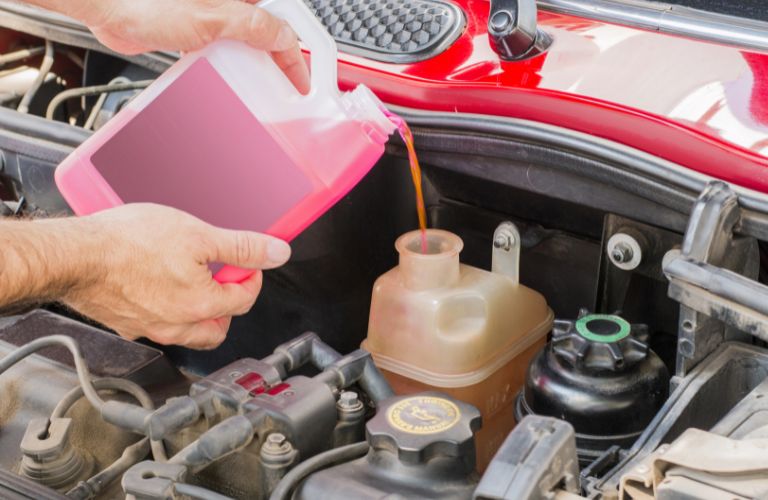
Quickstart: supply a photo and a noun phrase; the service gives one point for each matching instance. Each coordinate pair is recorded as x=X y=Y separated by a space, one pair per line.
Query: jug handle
x=324 y=54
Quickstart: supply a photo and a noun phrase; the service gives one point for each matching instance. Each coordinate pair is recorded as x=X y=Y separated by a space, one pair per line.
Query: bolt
x=276 y=439
x=503 y=241
x=276 y=444
x=235 y=374
x=686 y=347
x=348 y=400
x=622 y=253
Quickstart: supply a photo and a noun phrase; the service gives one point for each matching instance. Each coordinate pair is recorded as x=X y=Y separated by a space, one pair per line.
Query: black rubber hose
x=291 y=481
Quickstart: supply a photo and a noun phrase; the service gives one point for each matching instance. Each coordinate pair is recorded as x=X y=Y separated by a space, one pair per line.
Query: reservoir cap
x=423 y=426
x=600 y=342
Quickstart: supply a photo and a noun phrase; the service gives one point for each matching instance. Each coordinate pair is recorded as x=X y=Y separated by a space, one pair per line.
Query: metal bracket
x=506 y=251
x=151 y=480
x=708 y=246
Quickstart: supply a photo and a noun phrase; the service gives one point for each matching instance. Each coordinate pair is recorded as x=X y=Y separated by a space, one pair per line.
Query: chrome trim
x=671 y=19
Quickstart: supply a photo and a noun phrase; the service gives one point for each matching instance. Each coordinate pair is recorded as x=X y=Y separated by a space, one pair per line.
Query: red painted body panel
x=698 y=104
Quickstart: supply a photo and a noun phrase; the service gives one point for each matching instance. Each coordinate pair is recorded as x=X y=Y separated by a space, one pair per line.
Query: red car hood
x=695 y=103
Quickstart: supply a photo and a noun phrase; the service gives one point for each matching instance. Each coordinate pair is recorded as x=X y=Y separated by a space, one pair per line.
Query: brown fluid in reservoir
x=405 y=133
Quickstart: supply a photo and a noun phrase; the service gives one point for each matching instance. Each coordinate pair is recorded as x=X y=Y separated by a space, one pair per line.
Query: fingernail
x=286 y=38
x=278 y=251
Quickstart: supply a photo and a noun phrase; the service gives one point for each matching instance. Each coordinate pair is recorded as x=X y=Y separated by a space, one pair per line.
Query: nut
x=622 y=253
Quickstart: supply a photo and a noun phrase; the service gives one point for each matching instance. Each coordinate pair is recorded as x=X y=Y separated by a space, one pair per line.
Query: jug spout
x=438 y=267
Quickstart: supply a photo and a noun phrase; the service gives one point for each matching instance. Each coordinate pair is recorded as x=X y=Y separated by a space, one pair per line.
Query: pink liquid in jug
x=212 y=158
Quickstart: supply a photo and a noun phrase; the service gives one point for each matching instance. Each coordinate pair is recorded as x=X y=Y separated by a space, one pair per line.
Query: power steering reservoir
x=437 y=324
x=599 y=375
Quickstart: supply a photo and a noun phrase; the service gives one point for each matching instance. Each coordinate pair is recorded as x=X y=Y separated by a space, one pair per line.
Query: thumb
x=257 y=27
x=248 y=250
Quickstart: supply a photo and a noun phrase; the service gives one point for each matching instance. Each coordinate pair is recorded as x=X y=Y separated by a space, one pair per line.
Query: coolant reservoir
x=437 y=324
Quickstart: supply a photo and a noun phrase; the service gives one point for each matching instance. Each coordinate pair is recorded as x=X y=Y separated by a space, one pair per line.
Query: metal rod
x=45 y=68
x=95 y=90
x=20 y=55
x=666 y=18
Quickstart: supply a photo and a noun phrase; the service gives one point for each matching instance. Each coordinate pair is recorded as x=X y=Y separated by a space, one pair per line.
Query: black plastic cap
x=600 y=342
x=420 y=427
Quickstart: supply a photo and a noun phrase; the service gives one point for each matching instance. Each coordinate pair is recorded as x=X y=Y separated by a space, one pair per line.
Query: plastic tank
x=437 y=324
x=225 y=136
x=599 y=375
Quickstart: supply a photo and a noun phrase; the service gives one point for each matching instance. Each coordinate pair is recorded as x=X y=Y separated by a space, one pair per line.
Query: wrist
x=65 y=260
x=81 y=258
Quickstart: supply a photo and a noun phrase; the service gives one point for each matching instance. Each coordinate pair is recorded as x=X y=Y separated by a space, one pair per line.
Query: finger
x=294 y=66
x=248 y=250
x=236 y=299
x=206 y=335
x=257 y=27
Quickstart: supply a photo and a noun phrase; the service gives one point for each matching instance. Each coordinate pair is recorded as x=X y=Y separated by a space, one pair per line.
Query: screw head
x=276 y=439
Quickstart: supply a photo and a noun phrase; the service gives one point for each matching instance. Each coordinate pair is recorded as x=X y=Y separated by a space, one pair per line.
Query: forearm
x=45 y=260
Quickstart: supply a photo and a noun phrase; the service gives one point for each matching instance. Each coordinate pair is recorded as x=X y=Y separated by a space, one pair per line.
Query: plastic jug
x=225 y=136
x=437 y=324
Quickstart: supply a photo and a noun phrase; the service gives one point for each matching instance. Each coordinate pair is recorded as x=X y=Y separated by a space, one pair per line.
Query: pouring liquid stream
x=407 y=136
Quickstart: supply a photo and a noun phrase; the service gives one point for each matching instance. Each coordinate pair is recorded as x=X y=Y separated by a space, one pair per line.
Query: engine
x=586 y=325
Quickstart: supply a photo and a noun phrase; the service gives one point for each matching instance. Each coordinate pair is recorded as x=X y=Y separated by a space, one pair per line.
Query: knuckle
x=206 y=27
x=249 y=250
x=262 y=27
x=243 y=248
x=216 y=337
x=246 y=306
x=202 y=309
x=208 y=309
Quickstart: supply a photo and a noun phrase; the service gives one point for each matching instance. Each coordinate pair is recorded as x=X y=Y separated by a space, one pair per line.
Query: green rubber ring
x=584 y=331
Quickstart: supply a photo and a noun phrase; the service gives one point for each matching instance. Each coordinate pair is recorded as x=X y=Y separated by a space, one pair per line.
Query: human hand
x=151 y=278
x=134 y=26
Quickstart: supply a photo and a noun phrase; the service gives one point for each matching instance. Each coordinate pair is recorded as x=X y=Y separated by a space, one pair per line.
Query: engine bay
x=593 y=326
